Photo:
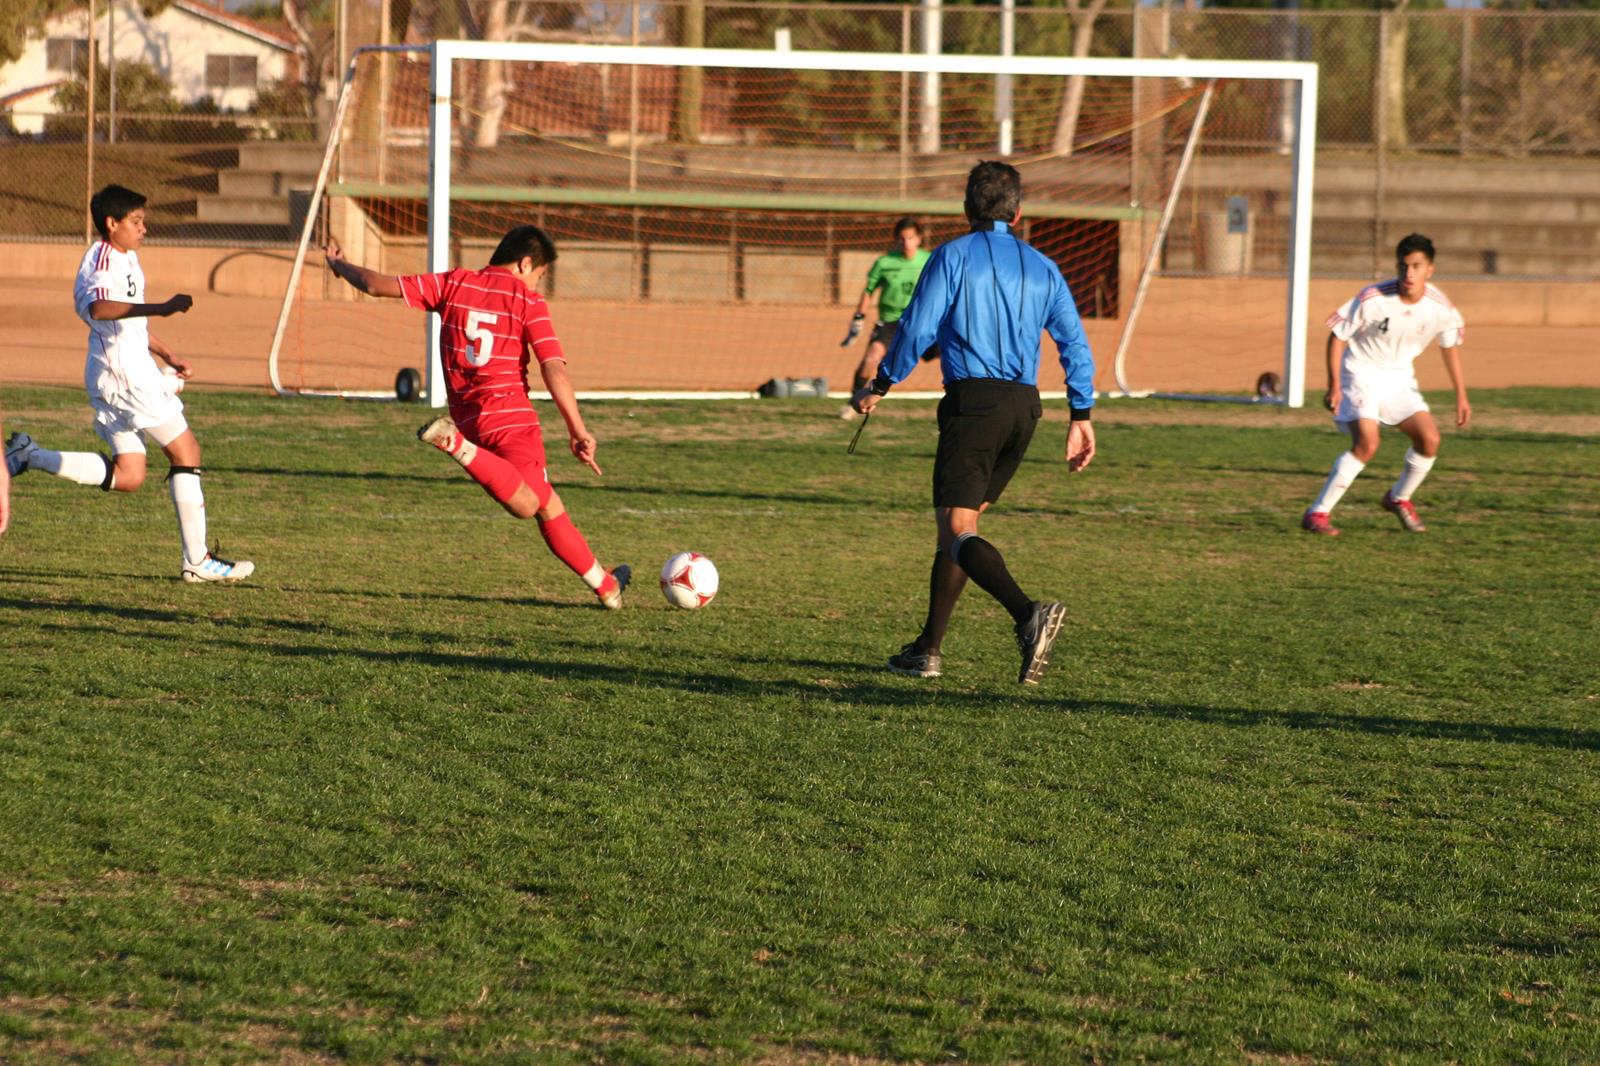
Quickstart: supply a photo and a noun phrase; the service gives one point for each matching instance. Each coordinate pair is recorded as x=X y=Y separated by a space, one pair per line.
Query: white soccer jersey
x=1384 y=333
x=120 y=348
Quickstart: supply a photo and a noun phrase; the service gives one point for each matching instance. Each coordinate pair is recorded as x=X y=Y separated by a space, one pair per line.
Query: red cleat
x=1406 y=511
x=1317 y=522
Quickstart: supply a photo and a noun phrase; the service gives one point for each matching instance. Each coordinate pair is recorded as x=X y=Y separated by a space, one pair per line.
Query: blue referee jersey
x=985 y=298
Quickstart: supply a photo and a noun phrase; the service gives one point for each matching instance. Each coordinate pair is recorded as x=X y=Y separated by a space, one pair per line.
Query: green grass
x=42 y=185
x=410 y=796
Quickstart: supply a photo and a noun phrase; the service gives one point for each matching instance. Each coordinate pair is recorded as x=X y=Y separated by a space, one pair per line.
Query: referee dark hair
x=984 y=299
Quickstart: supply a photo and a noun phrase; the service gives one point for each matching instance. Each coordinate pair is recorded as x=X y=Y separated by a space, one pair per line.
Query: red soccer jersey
x=491 y=321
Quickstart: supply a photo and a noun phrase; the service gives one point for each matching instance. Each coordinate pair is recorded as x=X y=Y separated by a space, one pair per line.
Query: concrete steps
x=257 y=192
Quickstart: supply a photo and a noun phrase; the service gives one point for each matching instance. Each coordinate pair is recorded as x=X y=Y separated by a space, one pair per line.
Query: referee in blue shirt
x=984 y=299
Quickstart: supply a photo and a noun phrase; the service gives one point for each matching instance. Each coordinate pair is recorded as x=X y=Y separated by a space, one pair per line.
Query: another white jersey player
x=131 y=397
x=1372 y=343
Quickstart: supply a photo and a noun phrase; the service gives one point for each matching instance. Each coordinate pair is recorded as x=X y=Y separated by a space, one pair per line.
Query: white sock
x=86 y=468
x=190 y=503
x=1417 y=467
x=1345 y=469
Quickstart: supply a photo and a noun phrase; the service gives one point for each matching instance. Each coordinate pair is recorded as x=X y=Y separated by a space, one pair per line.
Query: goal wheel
x=408 y=386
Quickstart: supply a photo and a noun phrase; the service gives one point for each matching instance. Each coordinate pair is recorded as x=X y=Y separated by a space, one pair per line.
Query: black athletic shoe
x=916 y=663
x=1036 y=636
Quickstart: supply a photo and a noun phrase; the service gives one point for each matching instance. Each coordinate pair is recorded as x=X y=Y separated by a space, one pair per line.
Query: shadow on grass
x=906 y=695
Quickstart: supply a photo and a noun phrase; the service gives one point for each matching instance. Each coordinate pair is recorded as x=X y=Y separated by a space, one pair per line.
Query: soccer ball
x=689 y=580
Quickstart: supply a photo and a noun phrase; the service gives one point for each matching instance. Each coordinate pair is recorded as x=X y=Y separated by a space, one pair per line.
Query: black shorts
x=984 y=429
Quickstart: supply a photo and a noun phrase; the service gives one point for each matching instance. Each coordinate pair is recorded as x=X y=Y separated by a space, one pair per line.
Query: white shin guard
x=1416 y=468
x=190 y=503
x=1345 y=470
x=85 y=468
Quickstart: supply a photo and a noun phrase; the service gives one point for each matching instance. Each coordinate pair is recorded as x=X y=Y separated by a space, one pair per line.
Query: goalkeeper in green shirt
x=894 y=278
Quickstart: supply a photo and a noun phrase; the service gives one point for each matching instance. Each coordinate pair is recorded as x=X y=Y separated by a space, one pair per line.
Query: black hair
x=113 y=201
x=907 y=223
x=1413 y=242
x=524 y=242
x=994 y=192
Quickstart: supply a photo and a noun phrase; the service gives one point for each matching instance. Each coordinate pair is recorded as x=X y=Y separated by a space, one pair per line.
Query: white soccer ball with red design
x=689 y=580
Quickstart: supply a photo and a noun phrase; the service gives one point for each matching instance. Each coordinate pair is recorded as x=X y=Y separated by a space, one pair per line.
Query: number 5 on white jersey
x=481 y=337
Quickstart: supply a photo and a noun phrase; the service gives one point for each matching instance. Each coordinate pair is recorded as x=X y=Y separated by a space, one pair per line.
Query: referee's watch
x=879 y=387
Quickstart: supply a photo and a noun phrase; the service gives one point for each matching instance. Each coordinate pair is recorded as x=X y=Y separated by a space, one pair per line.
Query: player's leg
x=1346 y=468
x=182 y=450
x=523 y=448
x=499 y=477
x=1424 y=434
x=23 y=453
x=991 y=428
x=569 y=545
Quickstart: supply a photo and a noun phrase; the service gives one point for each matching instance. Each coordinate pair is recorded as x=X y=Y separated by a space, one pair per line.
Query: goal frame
x=444 y=54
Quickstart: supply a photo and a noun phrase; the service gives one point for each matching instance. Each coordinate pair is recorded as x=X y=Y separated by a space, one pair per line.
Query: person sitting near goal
x=1372 y=343
x=493 y=321
x=131 y=398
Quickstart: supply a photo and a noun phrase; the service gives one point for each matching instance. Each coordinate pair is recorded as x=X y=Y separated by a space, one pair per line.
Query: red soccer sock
x=499 y=478
x=568 y=545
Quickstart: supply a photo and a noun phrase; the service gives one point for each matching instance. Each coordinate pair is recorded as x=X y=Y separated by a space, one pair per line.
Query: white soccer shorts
x=124 y=419
x=1376 y=397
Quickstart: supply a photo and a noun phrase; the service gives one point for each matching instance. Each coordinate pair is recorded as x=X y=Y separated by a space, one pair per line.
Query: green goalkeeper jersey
x=897 y=277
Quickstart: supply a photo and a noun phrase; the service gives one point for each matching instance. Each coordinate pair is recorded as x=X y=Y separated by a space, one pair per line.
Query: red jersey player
x=493 y=321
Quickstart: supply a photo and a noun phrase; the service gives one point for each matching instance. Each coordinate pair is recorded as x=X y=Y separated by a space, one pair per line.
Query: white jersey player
x=131 y=397
x=1372 y=343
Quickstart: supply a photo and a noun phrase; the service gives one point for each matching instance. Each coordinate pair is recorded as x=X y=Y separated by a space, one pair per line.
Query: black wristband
x=879 y=387
x=1081 y=414
x=858 y=316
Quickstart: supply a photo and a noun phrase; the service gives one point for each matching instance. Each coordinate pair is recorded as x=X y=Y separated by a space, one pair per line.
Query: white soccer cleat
x=611 y=598
x=441 y=433
x=212 y=568
x=19 y=449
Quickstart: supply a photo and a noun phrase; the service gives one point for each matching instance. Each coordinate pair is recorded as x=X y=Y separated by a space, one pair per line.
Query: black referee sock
x=945 y=582
x=983 y=563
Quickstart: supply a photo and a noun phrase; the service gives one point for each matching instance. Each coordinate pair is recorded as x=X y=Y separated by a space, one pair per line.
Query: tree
x=1083 y=19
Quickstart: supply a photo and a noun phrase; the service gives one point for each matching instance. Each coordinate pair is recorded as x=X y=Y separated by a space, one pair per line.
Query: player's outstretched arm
x=1452 y=364
x=115 y=310
x=368 y=281
x=559 y=386
x=1335 y=354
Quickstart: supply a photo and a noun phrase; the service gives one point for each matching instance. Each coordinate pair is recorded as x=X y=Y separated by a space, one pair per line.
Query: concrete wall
x=700 y=275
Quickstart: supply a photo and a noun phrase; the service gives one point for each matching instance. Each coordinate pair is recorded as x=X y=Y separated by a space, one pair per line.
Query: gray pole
x=111 y=68
x=932 y=44
x=1002 y=82
x=88 y=137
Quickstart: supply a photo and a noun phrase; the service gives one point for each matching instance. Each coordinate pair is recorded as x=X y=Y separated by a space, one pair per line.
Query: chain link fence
x=1478 y=127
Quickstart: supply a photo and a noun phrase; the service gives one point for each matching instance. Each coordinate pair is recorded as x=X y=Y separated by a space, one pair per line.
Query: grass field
x=410 y=796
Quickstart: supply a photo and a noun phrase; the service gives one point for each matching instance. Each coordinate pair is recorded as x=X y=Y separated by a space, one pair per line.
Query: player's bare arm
x=1331 y=398
x=164 y=352
x=114 y=310
x=362 y=279
x=559 y=386
x=1452 y=364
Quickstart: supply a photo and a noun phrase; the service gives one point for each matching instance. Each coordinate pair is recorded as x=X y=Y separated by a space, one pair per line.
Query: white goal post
x=1298 y=82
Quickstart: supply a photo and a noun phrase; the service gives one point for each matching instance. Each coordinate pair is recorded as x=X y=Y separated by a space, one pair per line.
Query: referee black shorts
x=984 y=429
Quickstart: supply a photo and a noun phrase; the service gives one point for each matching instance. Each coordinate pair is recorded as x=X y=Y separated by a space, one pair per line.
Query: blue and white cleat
x=19 y=447
x=212 y=568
